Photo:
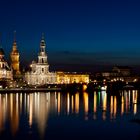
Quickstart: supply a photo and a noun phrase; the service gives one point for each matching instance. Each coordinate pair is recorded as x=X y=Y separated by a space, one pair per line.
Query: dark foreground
x=59 y=115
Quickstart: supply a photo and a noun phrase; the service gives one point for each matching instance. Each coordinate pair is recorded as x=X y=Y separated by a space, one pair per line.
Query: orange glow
x=41 y=111
x=122 y=105
x=135 y=96
x=135 y=109
x=68 y=103
x=59 y=103
x=95 y=105
x=77 y=103
x=115 y=106
x=126 y=102
x=31 y=110
x=14 y=112
x=20 y=103
x=72 y=103
x=84 y=87
x=11 y=104
x=85 y=104
x=111 y=107
x=95 y=102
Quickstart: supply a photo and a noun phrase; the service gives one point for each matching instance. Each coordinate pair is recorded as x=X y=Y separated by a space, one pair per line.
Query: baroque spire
x=42 y=57
x=15 y=43
x=42 y=45
x=15 y=57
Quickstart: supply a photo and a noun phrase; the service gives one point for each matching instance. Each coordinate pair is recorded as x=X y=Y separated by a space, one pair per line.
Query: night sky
x=78 y=33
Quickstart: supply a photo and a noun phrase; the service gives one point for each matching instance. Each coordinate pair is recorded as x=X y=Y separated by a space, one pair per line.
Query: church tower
x=42 y=56
x=40 y=74
x=15 y=57
x=5 y=70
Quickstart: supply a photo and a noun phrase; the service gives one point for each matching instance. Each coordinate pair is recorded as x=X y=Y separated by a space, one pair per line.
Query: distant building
x=15 y=60
x=39 y=74
x=122 y=70
x=68 y=78
x=5 y=70
x=118 y=73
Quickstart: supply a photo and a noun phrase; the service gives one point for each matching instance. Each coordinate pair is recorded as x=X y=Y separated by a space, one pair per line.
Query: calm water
x=56 y=115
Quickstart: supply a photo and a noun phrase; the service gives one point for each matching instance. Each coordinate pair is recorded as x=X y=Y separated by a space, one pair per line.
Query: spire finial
x=42 y=36
x=15 y=36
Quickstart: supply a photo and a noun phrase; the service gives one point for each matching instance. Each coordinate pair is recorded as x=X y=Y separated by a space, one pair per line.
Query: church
x=6 y=72
x=14 y=56
x=39 y=74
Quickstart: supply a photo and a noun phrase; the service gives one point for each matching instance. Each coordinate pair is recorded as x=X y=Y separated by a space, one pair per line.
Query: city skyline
x=77 y=33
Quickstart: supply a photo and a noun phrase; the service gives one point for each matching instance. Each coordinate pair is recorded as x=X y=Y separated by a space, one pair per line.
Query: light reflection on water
x=37 y=108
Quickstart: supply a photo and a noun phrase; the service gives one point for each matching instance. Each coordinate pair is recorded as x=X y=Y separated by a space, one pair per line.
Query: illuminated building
x=118 y=73
x=39 y=74
x=15 y=59
x=68 y=78
x=5 y=70
x=122 y=70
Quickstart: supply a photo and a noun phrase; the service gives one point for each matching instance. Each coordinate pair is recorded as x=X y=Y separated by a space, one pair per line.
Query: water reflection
x=68 y=103
x=59 y=103
x=104 y=104
x=85 y=97
x=37 y=107
x=95 y=105
x=77 y=103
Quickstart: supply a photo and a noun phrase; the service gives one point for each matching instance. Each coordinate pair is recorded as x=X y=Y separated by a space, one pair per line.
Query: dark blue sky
x=94 y=32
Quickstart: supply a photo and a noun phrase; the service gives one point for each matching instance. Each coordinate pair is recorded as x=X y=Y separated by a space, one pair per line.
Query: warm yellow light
x=72 y=103
x=68 y=103
x=135 y=109
x=111 y=106
x=115 y=106
x=58 y=103
x=122 y=105
x=85 y=104
x=84 y=87
x=77 y=103
x=135 y=80
x=95 y=102
x=31 y=110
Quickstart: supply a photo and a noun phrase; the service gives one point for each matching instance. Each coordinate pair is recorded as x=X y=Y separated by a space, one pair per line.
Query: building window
x=42 y=60
x=42 y=70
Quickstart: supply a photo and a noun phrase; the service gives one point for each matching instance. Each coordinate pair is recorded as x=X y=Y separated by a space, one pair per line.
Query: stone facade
x=39 y=74
x=69 y=78
x=5 y=70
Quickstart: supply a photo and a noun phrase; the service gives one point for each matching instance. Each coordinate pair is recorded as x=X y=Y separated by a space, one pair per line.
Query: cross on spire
x=15 y=36
x=43 y=36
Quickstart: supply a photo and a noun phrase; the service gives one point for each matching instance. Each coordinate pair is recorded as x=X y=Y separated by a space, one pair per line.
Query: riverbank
x=15 y=90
